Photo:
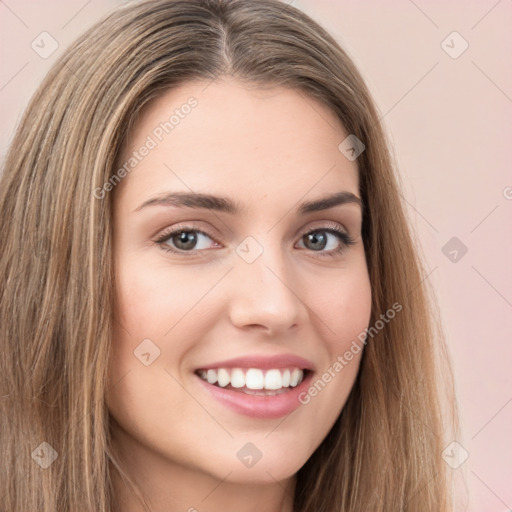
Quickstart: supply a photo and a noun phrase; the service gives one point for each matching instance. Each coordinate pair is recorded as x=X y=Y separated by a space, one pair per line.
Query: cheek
x=156 y=327
x=153 y=301
x=344 y=307
x=344 y=311
x=153 y=333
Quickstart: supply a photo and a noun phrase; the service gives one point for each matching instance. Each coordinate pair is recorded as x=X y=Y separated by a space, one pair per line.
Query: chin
x=260 y=475
x=277 y=466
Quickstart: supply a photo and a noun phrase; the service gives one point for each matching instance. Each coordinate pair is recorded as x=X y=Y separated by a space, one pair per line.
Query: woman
x=211 y=300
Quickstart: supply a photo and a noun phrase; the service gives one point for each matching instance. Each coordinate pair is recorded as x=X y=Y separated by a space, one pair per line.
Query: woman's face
x=239 y=282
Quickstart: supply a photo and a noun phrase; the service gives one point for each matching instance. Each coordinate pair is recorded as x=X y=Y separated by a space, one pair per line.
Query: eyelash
x=345 y=239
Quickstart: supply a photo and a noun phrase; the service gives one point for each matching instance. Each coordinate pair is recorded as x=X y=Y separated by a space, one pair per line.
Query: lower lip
x=258 y=406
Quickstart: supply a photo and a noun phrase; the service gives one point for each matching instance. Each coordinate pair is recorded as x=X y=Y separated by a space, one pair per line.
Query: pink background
x=450 y=120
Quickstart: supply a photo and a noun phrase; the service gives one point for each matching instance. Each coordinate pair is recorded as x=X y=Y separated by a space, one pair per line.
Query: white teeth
x=237 y=378
x=295 y=377
x=273 y=380
x=286 y=379
x=223 y=377
x=253 y=378
x=211 y=376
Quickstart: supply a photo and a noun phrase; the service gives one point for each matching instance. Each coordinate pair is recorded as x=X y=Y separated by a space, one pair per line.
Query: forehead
x=225 y=137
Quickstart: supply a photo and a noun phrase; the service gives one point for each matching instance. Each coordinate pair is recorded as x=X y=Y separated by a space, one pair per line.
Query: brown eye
x=185 y=240
x=318 y=240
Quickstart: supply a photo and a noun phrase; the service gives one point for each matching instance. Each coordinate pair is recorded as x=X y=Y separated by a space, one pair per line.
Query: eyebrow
x=227 y=205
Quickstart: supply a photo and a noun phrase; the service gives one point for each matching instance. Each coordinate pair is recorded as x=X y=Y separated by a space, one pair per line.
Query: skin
x=269 y=150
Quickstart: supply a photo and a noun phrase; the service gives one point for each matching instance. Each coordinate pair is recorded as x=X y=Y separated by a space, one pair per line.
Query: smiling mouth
x=254 y=381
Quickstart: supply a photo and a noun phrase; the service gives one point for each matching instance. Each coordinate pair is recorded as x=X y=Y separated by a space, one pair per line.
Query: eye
x=331 y=238
x=184 y=239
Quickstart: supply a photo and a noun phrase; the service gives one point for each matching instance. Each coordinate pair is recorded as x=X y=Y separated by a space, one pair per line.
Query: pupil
x=315 y=238
x=186 y=240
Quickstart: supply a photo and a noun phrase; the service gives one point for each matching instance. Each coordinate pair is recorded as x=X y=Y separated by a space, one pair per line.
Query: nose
x=263 y=295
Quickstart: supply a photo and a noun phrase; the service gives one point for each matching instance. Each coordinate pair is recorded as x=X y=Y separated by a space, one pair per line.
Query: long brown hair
x=56 y=310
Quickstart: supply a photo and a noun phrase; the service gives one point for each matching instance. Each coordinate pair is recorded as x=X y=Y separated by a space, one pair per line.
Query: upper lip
x=262 y=362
